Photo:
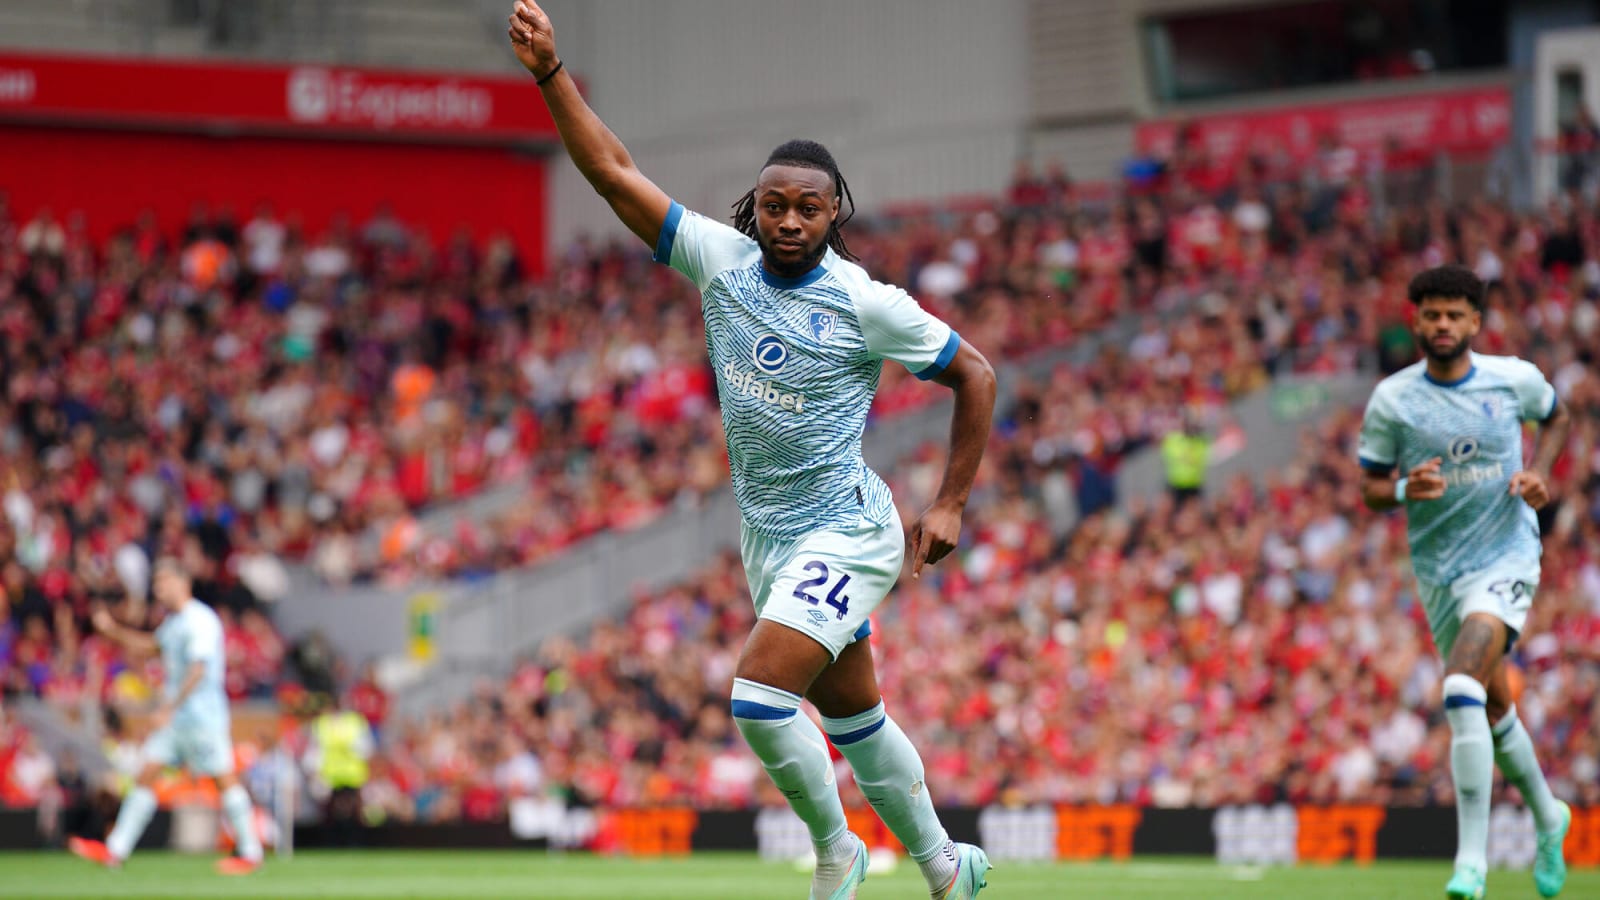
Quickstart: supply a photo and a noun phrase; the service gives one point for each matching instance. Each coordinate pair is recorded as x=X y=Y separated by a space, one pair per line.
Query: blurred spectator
x=1186 y=453
x=336 y=759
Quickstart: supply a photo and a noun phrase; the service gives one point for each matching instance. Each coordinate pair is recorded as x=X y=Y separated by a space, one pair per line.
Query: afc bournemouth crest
x=823 y=323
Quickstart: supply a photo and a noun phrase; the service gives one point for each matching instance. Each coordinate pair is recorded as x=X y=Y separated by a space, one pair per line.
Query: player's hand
x=935 y=534
x=532 y=38
x=1530 y=486
x=1424 y=482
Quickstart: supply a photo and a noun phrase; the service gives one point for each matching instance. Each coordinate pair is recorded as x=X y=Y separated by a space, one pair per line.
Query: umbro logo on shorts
x=817 y=617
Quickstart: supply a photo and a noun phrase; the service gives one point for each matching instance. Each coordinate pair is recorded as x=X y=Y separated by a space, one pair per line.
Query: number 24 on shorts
x=836 y=598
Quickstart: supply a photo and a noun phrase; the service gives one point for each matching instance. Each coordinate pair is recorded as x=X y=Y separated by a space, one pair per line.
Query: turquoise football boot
x=1549 y=867
x=1466 y=884
x=972 y=864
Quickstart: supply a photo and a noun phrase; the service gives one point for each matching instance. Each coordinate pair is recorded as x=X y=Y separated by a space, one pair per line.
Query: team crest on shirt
x=823 y=323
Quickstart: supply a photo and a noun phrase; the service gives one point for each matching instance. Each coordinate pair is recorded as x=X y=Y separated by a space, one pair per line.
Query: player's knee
x=1462 y=690
x=759 y=707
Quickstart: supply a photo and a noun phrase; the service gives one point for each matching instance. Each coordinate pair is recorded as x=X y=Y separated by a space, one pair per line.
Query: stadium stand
x=163 y=398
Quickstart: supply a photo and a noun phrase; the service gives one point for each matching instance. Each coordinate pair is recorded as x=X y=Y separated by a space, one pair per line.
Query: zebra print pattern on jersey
x=1476 y=428
x=795 y=387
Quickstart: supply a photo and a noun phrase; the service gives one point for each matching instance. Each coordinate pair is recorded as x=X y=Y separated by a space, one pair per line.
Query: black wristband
x=551 y=74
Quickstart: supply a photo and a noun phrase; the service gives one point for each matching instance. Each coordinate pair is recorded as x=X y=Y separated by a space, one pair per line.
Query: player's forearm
x=599 y=155
x=191 y=680
x=132 y=639
x=1552 y=440
x=1378 y=494
x=974 y=388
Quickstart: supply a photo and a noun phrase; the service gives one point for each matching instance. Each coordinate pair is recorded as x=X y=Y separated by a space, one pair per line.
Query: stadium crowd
x=1264 y=644
x=246 y=397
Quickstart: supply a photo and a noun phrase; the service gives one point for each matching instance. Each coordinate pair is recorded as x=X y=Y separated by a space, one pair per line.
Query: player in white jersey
x=797 y=335
x=1453 y=424
x=191 y=727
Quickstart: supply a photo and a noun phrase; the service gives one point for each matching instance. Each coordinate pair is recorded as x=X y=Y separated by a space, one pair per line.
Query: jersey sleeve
x=1378 y=448
x=699 y=247
x=1535 y=397
x=897 y=327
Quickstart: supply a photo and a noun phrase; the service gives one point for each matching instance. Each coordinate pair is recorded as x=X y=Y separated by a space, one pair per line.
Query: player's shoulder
x=708 y=227
x=1506 y=368
x=866 y=292
x=1392 y=387
x=200 y=614
x=715 y=247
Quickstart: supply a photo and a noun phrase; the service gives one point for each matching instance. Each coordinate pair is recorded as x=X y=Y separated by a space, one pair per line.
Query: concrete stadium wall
x=917 y=100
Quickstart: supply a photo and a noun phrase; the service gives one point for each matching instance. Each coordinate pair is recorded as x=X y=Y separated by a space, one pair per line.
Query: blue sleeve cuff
x=1554 y=399
x=1375 y=467
x=669 y=233
x=951 y=345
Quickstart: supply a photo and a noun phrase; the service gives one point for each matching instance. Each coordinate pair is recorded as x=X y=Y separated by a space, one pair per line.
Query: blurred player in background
x=1453 y=423
x=797 y=335
x=191 y=726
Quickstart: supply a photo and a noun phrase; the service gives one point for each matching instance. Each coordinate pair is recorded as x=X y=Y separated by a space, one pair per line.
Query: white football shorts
x=826 y=584
x=1503 y=589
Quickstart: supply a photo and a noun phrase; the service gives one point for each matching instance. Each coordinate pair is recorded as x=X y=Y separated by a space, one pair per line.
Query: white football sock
x=1471 y=766
x=795 y=756
x=137 y=808
x=889 y=772
x=1513 y=753
x=236 y=806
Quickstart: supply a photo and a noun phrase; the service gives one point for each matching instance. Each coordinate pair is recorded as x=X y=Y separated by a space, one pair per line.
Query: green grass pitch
x=447 y=875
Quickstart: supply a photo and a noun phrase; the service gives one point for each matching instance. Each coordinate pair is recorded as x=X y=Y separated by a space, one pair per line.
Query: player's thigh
x=832 y=581
x=206 y=750
x=849 y=686
x=1492 y=606
x=160 y=748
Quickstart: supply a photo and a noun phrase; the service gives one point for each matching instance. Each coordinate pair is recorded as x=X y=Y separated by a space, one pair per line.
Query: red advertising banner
x=320 y=100
x=1458 y=122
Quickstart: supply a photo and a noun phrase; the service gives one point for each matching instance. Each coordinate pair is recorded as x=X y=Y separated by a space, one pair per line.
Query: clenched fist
x=532 y=38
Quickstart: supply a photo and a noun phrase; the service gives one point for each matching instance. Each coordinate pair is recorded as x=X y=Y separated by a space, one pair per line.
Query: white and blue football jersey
x=1474 y=426
x=188 y=636
x=797 y=363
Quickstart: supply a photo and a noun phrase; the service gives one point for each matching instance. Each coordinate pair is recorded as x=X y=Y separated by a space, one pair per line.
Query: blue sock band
x=858 y=727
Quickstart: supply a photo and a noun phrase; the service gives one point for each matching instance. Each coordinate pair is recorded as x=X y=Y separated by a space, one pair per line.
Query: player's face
x=794 y=207
x=1445 y=327
x=170 y=588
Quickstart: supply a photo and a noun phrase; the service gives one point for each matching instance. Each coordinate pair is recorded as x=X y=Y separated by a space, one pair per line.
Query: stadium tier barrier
x=1258 y=835
x=461 y=632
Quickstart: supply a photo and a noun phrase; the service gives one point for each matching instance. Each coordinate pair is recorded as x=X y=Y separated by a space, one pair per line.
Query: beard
x=1456 y=351
x=791 y=269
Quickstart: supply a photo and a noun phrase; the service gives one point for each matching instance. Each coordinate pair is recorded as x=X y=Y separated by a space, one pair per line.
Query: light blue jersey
x=192 y=635
x=1474 y=426
x=797 y=363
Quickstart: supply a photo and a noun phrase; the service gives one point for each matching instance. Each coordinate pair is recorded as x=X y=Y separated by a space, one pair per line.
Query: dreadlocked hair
x=809 y=155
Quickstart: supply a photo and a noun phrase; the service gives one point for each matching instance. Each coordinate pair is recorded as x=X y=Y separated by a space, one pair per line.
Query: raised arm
x=597 y=153
x=132 y=638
